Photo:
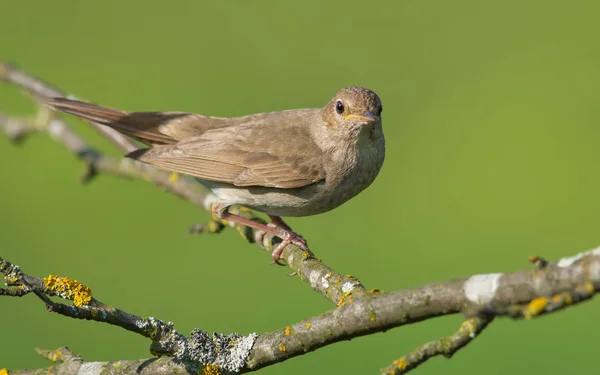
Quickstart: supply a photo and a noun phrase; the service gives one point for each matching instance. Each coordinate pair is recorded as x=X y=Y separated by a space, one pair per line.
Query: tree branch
x=525 y=294
x=547 y=288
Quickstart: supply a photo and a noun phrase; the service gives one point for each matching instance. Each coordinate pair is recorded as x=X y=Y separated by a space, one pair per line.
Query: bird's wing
x=153 y=128
x=275 y=153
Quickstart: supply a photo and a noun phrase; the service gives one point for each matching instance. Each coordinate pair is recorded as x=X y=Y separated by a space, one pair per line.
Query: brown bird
x=291 y=163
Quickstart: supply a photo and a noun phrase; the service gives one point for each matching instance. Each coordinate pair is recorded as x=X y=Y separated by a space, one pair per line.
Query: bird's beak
x=366 y=118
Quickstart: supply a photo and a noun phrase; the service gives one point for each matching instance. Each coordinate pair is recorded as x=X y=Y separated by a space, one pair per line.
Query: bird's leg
x=285 y=233
x=278 y=222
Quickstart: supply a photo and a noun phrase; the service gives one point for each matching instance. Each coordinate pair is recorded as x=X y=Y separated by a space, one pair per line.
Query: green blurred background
x=492 y=126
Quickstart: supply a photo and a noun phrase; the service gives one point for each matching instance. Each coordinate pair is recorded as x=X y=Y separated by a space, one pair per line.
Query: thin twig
x=445 y=346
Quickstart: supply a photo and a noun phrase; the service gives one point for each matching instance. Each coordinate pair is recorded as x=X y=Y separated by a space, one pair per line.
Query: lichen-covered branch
x=548 y=287
x=525 y=294
x=200 y=351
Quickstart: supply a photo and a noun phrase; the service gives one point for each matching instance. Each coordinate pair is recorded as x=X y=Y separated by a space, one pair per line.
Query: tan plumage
x=289 y=163
x=216 y=149
x=244 y=155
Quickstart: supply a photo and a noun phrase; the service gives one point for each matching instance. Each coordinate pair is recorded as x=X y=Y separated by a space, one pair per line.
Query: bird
x=298 y=162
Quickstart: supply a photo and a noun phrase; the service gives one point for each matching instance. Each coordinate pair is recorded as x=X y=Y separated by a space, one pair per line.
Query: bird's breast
x=353 y=170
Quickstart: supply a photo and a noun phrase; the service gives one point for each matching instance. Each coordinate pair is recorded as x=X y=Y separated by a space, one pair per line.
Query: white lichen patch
x=313 y=278
x=142 y=324
x=90 y=368
x=348 y=286
x=12 y=275
x=237 y=350
x=594 y=272
x=568 y=261
x=324 y=281
x=481 y=289
x=228 y=352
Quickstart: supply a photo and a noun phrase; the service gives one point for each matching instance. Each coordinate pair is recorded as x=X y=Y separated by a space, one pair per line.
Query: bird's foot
x=259 y=234
x=276 y=227
x=288 y=238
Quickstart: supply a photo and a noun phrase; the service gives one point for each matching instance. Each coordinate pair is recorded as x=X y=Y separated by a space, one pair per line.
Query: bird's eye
x=339 y=107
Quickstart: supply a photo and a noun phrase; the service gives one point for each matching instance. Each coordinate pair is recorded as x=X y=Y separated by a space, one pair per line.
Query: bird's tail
x=143 y=126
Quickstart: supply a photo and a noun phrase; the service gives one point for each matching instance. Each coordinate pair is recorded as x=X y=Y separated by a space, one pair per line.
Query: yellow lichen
x=210 y=369
x=535 y=307
x=401 y=363
x=306 y=255
x=568 y=299
x=56 y=355
x=67 y=288
x=373 y=318
x=307 y=325
x=467 y=327
x=556 y=299
x=3 y=371
x=173 y=177
x=343 y=301
x=562 y=299
x=288 y=330
x=589 y=287
x=374 y=291
x=11 y=279
x=282 y=348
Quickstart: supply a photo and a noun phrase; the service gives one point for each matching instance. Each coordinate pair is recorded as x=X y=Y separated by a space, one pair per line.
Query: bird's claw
x=259 y=234
x=289 y=238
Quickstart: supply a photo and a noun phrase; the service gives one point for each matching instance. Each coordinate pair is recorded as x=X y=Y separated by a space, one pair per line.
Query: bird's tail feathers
x=143 y=126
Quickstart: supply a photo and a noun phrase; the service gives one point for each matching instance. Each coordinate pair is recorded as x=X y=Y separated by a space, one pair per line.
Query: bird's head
x=352 y=112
